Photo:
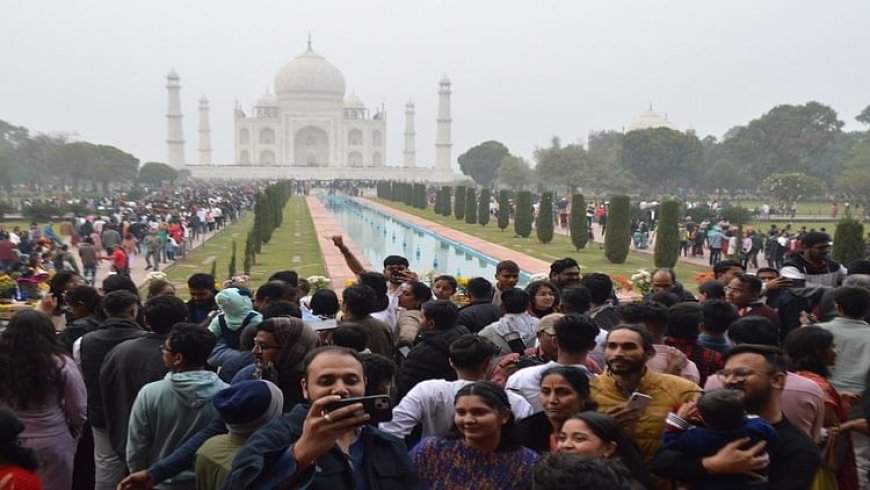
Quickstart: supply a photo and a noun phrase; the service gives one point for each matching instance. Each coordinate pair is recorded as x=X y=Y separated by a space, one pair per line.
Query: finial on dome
x=650 y=107
x=309 y=40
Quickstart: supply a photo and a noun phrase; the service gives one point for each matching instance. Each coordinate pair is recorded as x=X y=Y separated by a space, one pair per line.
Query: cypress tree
x=483 y=207
x=523 y=219
x=667 y=248
x=617 y=240
x=445 y=207
x=420 y=196
x=470 y=206
x=849 y=241
x=395 y=191
x=544 y=221
x=504 y=209
x=249 y=262
x=459 y=203
x=214 y=268
x=577 y=222
x=232 y=267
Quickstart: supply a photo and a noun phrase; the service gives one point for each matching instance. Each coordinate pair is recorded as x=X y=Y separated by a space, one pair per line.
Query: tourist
x=601 y=296
x=543 y=298
x=715 y=240
x=483 y=449
x=716 y=317
x=444 y=287
x=788 y=306
x=565 y=272
x=88 y=256
x=811 y=352
x=684 y=320
x=515 y=330
x=566 y=471
x=480 y=311
x=544 y=352
x=744 y=293
x=813 y=266
x=160 y=287
x=310 y=446
x=202 y=291
x=54 y=303
x=167 y=412
x=236 y=311
x=411 y=296
x=664 y=279
x=43 y=388
x=667 y=359
x=428 y=359
x=507 y=274
x=18 y=464
x=386 y=306
x=380 y=373
x=712 y=289
x=564 y=391
x=726 y=270
x=357 y=305
x=82 y=303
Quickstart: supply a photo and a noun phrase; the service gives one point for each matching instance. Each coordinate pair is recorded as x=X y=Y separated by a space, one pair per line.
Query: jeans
x=715 y=254
x=109 y=468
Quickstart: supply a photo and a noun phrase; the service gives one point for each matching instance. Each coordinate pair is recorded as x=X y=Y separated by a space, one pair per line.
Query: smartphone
x=379 y=407
x=638 y=401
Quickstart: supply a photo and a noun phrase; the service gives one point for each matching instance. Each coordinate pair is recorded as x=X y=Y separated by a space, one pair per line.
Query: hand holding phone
x=378 y=407
x=638 y=402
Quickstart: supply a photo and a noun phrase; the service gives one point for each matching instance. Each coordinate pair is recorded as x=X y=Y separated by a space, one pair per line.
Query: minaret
x=204 y=133
x=442 y=137
x=175 y=131
x=410 y=135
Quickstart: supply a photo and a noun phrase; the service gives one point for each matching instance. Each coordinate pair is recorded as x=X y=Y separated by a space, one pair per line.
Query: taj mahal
x=309 y=128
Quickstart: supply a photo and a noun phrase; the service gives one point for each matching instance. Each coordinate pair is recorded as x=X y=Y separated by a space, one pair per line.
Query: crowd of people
x=756 y=382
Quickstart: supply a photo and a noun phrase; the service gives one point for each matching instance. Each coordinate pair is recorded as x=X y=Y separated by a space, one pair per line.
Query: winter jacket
x=76 y=329
x=523 y=324
x=678 y=290
x=168 y=412
x=478 y=314
x=387 y=464
x=428 y=359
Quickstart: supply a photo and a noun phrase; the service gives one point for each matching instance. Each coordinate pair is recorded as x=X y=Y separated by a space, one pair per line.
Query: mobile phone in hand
x=379 y=407
x=639 y=401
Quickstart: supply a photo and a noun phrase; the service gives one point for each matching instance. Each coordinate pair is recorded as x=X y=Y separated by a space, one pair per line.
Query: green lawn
x=829 y=226
x=293 y=246
x=804 y=208
x=591 y=258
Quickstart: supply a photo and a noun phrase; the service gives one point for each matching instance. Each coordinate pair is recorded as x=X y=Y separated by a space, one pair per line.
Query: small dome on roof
x=353 y=102
x=267 y=100
x=650 y=120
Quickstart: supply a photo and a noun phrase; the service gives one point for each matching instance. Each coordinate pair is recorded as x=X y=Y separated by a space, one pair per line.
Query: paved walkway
x=325 y=227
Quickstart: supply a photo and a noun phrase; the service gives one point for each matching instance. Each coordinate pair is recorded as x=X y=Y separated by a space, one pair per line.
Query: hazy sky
x=522 y=71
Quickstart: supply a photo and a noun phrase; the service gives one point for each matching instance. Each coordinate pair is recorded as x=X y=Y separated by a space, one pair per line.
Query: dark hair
x=56 y=284
x=350 y=335
x=804 y=347
x=193 y=342
x=755 y=284
x=379 y=370
x=600 y=286
x=162 y=312
x=324 y=302
x=756 y=330
x=88 y=296
x=201 y=280
x=514 y=300
x=375 y=280
x=566 y=471
x=471 y=351
x=450 y=280
x=281 y=308
x=683 y=320
x=774 y=357
x=712 y=289
x=814 y=238
x=654 y=314
x=769 y=269
x=561 y=264
x=119 y=302
x=331 y=349
x=291 y=278
x=443 y=312
x=853 y=301
x=576 y=333
x=29 y=353
x=606 y=428
x=421 y=291
x=359 y=300
x=722 y=409
x=577 y=378
x=718 y=315
x=156 y=286
x=860 y=266
x=507 y=266
x=723 y=266
x=11 y=450
x=296 y=340
x=395 y=260
x=119 y=282
x=479 y=288
x=646 y=338
x=496 y=398
x=575 y=299
x=664 y=298
x=275 y=291
x=533 y=287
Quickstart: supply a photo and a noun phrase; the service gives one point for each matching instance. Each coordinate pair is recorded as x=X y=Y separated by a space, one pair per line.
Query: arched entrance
x=311 y=147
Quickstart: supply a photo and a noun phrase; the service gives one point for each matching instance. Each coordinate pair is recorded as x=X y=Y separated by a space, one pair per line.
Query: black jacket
x=478 y=314
x=428 y=359
x=535 y=432
x=386 y=458
x=95 y=346
x=78 y=328
x=679 y=291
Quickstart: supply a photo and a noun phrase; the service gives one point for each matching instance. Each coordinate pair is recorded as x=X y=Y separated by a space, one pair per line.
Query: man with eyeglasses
x=758 y=374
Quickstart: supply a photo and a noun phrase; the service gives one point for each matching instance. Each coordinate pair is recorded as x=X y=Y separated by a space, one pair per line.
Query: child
x=725 y=420
x=236 y=313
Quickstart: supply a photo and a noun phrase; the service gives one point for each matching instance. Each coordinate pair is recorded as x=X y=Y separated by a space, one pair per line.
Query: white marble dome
x=651 y=119
x=309 y=74
x=267 y=100
x=353 y=102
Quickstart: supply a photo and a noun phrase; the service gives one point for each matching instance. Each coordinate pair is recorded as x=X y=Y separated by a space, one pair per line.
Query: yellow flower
x=462 y=281
x=349 y=282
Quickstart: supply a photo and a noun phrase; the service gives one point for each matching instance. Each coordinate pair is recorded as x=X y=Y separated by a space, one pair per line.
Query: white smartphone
x=638 y=401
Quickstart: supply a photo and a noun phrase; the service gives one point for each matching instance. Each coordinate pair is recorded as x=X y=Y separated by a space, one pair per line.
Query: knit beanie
x=248 y=405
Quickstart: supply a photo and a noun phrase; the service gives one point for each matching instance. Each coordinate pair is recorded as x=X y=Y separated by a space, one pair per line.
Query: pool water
x=378 y=235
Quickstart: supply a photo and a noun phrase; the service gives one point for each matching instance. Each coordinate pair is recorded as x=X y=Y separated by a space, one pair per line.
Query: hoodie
x=234 y=308
x=168 y=412
x=520 y=323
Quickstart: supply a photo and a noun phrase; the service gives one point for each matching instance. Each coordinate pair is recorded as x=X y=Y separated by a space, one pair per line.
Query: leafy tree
x=523 y=214
x=577 y=222
x=855 y=178
x=109 y=164
x=617 y=240
x=481 y=162
x=667 y=248
x=157 y=173
x=662 y=158
x=483 y=206
x=515 y=173
x=849 y=241
x=470 y=206
x=459 y=203
x=864 y=117
x=725 y=174
x=544 y=222
x=788 y=188
x=231 y=269
x=504 y=210
x=558 y=165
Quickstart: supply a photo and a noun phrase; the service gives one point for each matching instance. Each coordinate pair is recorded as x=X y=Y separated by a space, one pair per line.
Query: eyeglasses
x=264 y=347
x=740 y=373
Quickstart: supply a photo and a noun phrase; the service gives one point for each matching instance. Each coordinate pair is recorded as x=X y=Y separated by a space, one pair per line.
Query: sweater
x=451 y=464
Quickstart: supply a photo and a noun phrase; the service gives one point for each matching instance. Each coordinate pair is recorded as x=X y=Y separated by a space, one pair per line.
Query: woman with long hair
x=811 y=351
x=564 y=392
x=17 y=464
x=53 y=304
x=544 y=298
x=598 y=435
x=43 y=387
x=482 y=450
x=412 y=295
